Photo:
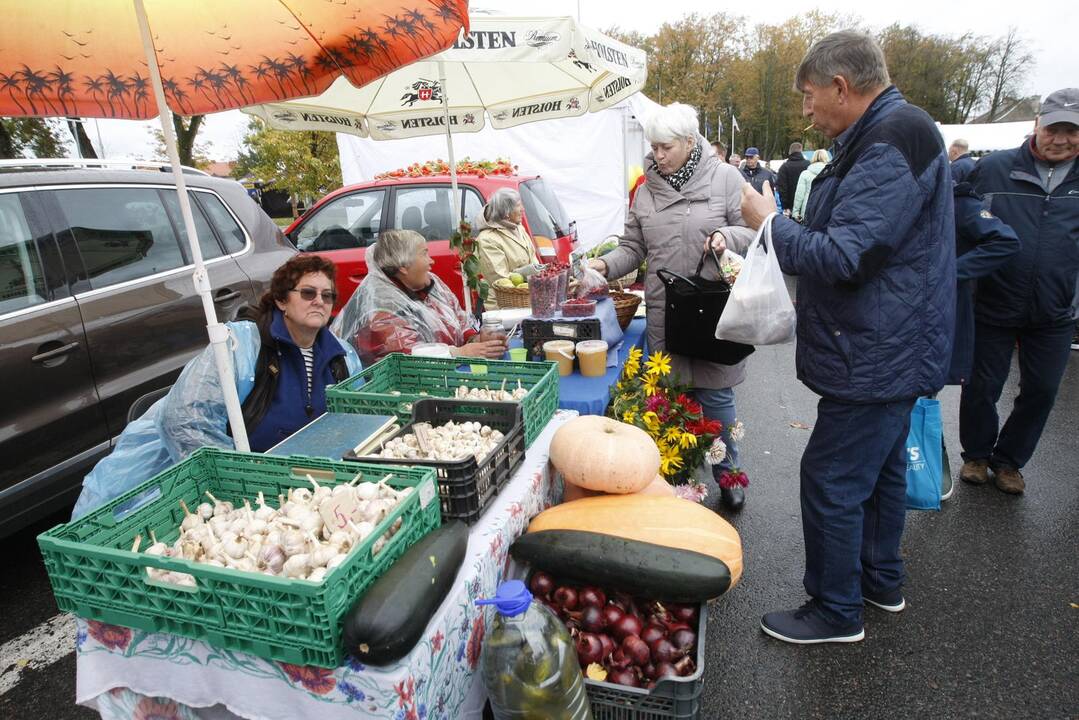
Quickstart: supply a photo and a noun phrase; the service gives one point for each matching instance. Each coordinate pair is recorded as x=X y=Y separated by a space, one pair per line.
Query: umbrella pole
x=219 y=334
x=453 y=174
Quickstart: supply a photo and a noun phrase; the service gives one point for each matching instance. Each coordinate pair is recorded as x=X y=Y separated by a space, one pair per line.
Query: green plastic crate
x=390 y=386
x=95 y=575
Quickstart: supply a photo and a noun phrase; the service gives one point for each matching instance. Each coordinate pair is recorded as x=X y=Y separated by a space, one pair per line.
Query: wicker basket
x=515 y=297
x=625 y=305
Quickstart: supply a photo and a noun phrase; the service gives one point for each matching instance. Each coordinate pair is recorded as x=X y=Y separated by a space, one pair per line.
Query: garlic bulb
x=205 y=510
x=297 y=566
x=317 y=574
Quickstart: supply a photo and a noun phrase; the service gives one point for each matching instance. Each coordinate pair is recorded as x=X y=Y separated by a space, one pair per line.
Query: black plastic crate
x=536 y=332
x=466 y=487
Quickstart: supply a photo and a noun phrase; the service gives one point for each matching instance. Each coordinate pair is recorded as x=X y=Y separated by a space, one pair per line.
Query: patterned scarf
x=681 y=176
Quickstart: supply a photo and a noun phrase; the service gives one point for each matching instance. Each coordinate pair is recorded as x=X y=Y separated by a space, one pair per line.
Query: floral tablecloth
x=134 y=675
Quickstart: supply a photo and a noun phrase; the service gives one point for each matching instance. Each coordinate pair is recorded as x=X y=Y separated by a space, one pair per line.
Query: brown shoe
x=1009 y=480
x=975 y=472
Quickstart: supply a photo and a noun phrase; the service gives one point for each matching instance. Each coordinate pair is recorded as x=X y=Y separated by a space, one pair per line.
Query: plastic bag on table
x=759 y=310
x=190 y=416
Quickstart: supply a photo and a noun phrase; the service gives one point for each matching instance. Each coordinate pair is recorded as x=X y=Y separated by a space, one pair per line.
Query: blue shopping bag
x=925 y=456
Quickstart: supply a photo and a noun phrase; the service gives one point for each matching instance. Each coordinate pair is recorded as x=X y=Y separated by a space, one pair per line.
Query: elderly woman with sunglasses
x=283 y=357
x=402 y=303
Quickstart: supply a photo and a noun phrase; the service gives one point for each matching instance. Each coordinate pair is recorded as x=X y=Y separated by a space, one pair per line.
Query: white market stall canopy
x=987 y=137
x=584 y=160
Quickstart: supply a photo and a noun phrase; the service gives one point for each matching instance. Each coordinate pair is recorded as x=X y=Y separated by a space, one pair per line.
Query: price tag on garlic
x=337 y=509
x=422 y=431
x=427 y=493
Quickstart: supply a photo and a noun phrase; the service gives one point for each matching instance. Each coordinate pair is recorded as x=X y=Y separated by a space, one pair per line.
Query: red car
x=341 y=225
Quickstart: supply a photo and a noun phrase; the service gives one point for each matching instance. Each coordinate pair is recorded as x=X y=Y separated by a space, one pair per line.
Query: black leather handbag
x=692 y=307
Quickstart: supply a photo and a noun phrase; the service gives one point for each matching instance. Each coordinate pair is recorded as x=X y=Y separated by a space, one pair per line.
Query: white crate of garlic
x=310 y=533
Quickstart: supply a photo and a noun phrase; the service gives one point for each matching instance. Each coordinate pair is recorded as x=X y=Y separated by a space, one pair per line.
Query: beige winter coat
x=668 y=228
x=501 y=251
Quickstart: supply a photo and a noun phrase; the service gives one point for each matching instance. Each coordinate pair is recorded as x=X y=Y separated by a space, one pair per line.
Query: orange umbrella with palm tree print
x=140 y=58
x=85 y=58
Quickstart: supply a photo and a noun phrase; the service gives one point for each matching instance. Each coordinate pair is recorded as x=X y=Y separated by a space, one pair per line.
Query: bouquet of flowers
x=649 y=397
x=464 y=246
x=479 y=168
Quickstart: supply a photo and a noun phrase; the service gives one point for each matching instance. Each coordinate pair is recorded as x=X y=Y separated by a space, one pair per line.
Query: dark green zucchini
x=387 y=622
x=632 y=566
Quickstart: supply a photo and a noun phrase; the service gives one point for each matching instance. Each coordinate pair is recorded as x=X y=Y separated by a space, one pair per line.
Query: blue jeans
x=854 y=504
x=1043 y=358
x=719 y=405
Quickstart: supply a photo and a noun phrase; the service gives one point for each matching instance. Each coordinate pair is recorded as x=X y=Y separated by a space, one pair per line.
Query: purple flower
x=350 y=691
x=355 y=665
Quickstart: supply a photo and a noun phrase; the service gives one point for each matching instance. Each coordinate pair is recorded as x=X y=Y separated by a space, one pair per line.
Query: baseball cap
x=750 y=152
x=1061 y=106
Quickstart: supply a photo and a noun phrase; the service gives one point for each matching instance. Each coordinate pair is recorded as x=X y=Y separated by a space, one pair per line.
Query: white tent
x=987 y=137
x=585 y=160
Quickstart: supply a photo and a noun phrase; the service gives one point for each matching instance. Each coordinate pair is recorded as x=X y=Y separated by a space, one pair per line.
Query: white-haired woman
x=401 y=303
x=689 y=198
x=503 y=245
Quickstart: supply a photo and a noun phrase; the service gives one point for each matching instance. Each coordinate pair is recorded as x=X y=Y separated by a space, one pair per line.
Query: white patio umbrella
x=505 y=70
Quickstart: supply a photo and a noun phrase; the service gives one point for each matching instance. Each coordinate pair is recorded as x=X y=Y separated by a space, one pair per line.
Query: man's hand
x=598 y=265
x=757 y=206
x=716 y=241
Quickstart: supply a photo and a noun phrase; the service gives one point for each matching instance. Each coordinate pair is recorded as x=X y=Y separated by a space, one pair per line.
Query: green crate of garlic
x=393 y=384
x=247 y=552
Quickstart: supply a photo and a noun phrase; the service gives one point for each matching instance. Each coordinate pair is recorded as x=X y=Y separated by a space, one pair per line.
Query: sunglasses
x=309 y=294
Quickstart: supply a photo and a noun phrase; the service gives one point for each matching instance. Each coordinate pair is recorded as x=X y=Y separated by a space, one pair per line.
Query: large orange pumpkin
x=598 y=453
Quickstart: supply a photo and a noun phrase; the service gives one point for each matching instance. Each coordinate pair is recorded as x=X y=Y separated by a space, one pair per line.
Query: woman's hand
x=490 y=349
x=598 y=265
x=716 y=241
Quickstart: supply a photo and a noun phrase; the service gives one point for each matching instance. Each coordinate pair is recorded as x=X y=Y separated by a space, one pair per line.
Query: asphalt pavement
x=991 y=629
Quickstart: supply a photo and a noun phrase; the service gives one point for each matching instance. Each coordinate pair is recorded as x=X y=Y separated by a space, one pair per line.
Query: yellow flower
x=627 y=417
x=635 y=355
x=651 y=421
x=659 y=363
x=687 y=440
x=668 y=465
x=673 y=433
x=631 y=368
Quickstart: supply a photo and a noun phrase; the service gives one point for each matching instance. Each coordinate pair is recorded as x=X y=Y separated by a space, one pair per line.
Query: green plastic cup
x=519 y=354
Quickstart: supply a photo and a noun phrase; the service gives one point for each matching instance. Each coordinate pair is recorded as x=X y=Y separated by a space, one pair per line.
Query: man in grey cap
x=1032 y=301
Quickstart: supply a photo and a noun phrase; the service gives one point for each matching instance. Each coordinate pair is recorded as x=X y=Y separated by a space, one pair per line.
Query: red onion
x=649 y=671
x=589 y=649
x=636 y=650
x=618 y=660
x=628 y=625
x=622 y=600
x=612 y=614
x=665 y=670
x=685 y=666
x=651 y=633
x=675 y=625
x=541 y=584
x=591 y=597
x=684 y=640
x=664 y=652
x=608 y=643
x=684 y=613
x=624 y=676
x=565 y=597
x=592 y=619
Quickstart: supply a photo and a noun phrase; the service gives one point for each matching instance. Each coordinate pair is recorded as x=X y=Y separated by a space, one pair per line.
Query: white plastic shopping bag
x=759 y=310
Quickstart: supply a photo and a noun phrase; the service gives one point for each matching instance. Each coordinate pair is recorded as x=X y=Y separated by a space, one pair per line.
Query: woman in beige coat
x=689 y=198
x=503 y=245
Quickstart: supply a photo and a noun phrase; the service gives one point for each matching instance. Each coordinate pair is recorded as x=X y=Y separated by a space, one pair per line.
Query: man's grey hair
x=853 y=55
x=795 y=147
x=396 y=249
x=501 y=204
x=668 y=122
x=961 y=144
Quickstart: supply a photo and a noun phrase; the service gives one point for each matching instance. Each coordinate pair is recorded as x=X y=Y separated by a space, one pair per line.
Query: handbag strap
x=704 y=254
x=663 y=274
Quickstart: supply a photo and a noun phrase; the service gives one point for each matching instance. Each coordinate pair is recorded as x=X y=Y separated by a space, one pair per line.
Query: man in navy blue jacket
x=875 y=262
x=1031 y=301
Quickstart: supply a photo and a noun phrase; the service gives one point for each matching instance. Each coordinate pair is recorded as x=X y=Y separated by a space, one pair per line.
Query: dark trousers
x=1043 y=357
x=854 y=503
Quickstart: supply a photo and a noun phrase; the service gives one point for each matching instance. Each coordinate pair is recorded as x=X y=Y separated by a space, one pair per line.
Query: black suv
x=98 y=311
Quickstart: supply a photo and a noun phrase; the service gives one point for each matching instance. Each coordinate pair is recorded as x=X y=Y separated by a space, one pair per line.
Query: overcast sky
x=1048 y=26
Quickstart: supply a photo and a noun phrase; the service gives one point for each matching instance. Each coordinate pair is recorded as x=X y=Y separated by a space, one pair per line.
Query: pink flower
x=111 y=636
x=156 y=709
x=732 y=479
x=694 y=492
x=314 y=679
x=475 y=642
x=436 y=641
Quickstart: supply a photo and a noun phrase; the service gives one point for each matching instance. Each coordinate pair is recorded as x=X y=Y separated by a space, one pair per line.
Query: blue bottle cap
x=512 y=598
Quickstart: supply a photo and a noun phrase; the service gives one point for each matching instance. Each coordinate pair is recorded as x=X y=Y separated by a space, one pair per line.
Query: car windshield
x=545 y=214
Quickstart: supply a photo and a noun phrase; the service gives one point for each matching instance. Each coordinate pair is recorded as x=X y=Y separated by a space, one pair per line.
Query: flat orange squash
x=666 y=521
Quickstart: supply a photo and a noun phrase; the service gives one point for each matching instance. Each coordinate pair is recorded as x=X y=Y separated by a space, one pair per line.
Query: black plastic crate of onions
x=248 y=552
x=474 y=447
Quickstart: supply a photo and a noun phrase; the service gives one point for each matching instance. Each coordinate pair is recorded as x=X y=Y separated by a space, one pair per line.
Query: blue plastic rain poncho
x=190 y=416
